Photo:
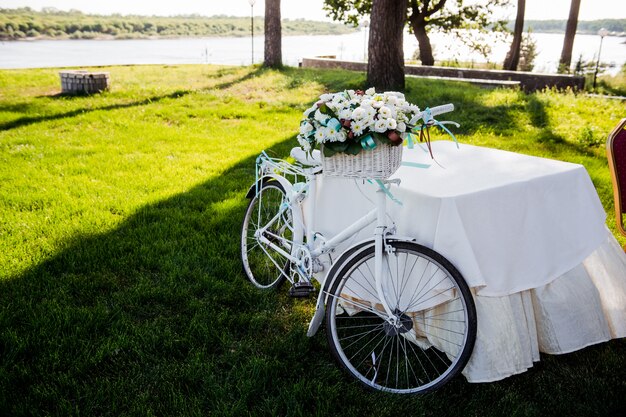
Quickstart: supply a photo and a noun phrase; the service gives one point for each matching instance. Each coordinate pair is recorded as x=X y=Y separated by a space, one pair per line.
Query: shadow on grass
x=148 y=314
x=156 y=318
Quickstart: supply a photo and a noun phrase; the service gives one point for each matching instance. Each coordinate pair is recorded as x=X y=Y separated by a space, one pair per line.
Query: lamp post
x=252 y=2
x=602 y=32
x=365 y=24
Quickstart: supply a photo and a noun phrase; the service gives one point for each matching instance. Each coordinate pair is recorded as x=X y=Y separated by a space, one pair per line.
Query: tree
x=385 y=66
x=422 y=15
x=570 y=33
x=273 y=37
x=512 y=57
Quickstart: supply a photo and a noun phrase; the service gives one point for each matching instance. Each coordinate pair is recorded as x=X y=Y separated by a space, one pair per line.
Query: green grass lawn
x=121 y=289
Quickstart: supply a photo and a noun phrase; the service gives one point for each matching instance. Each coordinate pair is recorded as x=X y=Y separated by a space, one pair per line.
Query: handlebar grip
x=445 y=108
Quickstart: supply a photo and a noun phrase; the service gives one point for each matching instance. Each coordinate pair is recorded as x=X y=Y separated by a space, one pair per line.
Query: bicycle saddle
x=312 y=159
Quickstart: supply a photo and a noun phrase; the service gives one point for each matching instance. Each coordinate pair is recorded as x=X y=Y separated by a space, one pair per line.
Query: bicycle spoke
x=418 y=350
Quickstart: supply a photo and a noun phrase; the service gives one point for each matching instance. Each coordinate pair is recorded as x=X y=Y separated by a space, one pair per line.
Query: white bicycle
x=399 y=316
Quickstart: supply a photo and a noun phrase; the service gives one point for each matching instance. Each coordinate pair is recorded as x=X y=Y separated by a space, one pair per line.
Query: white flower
x=320 y=134
x=377 y=104
x=310 y=110
x=331 y=134
x=338 y=98
x=380 y=126
x=396 y=94
x=326 y=97
x=341 y=136
x=320 y=117
x=401 y=127
x=366 y=102
x=368 y=121
x=357 y=127
x=304 y=143
x=370 y=91
x=391 y=124
x=359 y=113
x=345 y=114
x=306 y=128
x=385 y=112
x=371 y=112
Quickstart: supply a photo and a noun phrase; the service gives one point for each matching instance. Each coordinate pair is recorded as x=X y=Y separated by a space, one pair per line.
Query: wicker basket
x=378 y=163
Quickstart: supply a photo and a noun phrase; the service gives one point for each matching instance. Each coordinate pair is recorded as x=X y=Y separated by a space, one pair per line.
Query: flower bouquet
x=360 y=133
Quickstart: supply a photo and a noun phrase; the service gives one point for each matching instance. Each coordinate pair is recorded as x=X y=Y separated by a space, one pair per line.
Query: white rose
x=304 y=144
x=393 y=100
x=385 y=112
x=380 y=126
x=310 y=110
x=391 y=124
x=345 y=114
x=359 y=113
x=320 y=117
x=306 y=128
x=341 y=136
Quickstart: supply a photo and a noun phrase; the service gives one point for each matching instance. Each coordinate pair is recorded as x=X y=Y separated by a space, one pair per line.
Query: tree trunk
x=273 y=47
x=512 y=57
x=423 y=42
x=385 y=67
x=570 y=32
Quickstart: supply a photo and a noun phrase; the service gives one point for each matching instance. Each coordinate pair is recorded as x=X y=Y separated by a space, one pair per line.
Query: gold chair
x=616 y=155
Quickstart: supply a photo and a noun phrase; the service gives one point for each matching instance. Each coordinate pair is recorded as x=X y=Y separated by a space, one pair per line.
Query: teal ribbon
x=334 y=124
x=414 y=165
x=428 y=118
x=409 y=140
x=441 y=125
x=367 y=143
x=387 y=192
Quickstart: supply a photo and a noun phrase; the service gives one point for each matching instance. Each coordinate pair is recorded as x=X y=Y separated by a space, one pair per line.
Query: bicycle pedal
x=301 y=289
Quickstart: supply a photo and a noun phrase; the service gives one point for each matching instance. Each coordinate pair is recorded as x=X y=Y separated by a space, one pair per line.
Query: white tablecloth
x=529 y=236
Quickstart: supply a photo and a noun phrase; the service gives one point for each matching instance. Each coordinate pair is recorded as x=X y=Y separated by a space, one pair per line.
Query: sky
x=293 y=9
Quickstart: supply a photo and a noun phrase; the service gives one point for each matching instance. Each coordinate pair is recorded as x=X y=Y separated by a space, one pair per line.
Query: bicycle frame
x=378 y=215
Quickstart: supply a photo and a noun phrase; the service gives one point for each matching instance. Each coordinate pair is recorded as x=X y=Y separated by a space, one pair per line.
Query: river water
x=238 y=51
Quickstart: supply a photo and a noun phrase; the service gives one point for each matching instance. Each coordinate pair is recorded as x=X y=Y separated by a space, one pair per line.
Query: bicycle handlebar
x=435 y=111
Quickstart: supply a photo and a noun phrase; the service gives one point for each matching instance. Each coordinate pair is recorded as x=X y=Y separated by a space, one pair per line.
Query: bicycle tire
x=264 y=267
x=436 y=327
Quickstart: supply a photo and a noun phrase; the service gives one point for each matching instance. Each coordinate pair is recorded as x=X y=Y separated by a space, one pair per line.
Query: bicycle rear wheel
x=432 y=335
x=265 y=267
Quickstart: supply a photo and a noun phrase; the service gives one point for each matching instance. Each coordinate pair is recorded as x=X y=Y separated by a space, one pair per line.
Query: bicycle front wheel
x=264 y=266
x=430 y=336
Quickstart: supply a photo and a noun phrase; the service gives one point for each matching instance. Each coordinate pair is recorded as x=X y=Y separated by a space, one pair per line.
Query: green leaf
x=327 y=111
x=328 y=152
x=354 y=148
x=381 y=138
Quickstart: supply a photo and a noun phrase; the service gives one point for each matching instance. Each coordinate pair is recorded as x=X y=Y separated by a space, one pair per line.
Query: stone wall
x=83 y=82
x=529 y=81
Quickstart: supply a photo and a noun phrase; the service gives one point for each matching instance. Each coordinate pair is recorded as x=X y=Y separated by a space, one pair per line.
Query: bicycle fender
x=331 y=277
x=266 y=178
x=320 y=307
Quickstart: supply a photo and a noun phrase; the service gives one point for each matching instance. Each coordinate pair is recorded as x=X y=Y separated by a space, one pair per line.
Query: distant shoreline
x=53 y=24
x=105 y=37
x=154 y=38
